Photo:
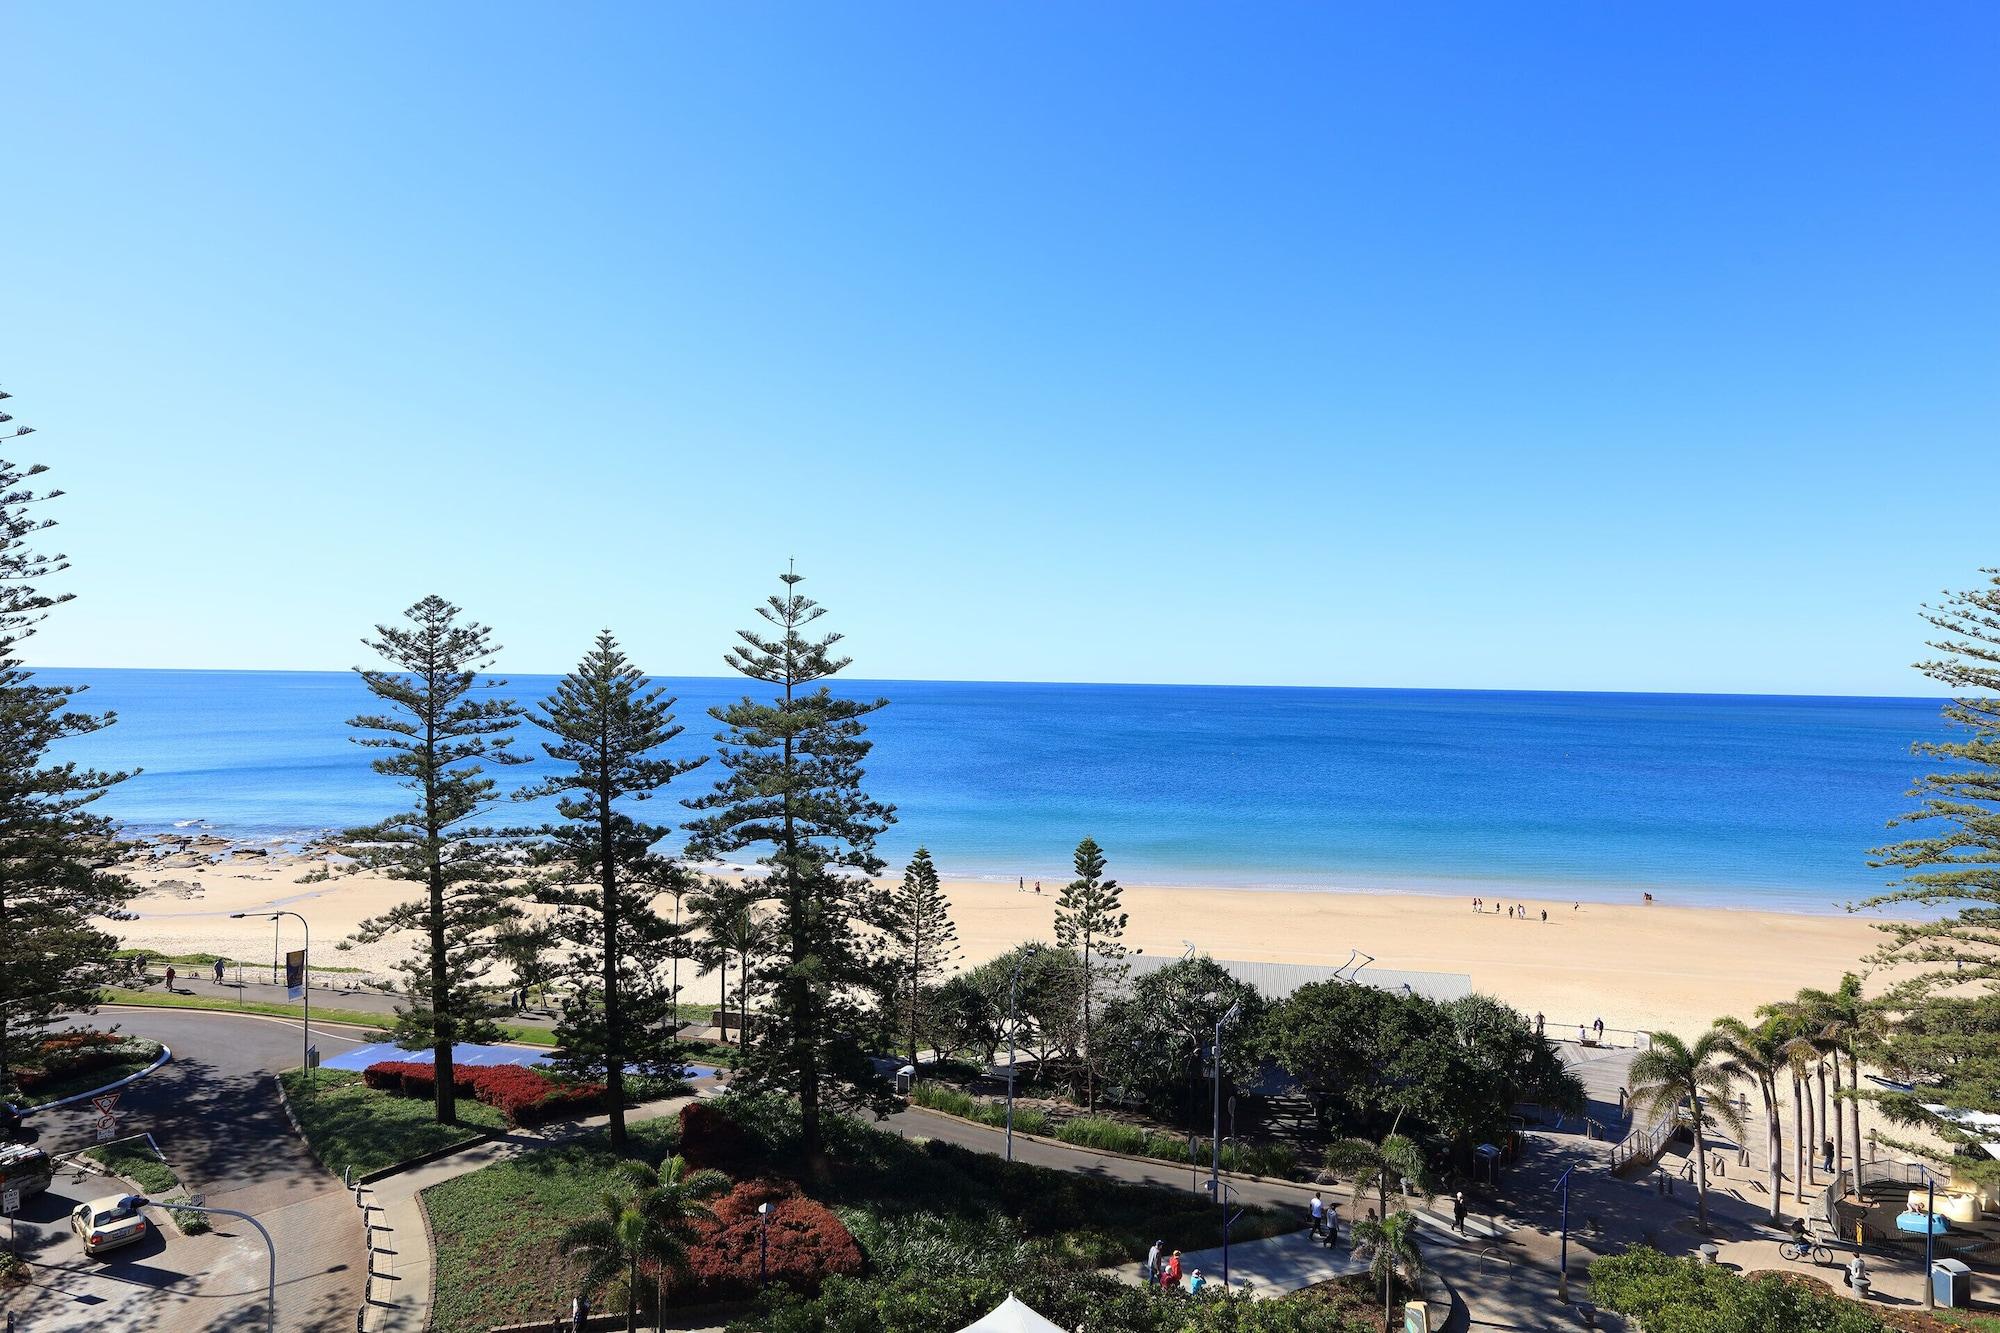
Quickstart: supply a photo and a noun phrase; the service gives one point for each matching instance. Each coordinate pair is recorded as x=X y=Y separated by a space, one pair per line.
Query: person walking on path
x=1170 y=1276
x=1458 y=1212
x=1538 y=1023
x=1600 y=1031
x=218 y=971
x=1316 y=1210
x=1826 y=1154
x=579 y=1314
x=1153 y=1261
x=170 y=978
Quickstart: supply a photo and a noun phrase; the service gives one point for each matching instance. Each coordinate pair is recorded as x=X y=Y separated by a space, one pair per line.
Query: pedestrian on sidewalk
x=579 y=1314
x=1317 y=1211
x=1170 y=1276
x=218 y=971
x=1458 y=1212
x=170 y=978
x=1826 y=1154
x=1153 y=1261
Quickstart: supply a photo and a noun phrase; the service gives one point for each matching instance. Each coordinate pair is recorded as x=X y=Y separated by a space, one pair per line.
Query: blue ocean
x=1729 y=800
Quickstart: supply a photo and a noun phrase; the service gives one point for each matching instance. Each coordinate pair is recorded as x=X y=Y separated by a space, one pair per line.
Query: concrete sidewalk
x=1269 y=1267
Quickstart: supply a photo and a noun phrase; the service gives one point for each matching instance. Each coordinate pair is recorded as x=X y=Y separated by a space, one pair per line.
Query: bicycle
x=1799 y=1249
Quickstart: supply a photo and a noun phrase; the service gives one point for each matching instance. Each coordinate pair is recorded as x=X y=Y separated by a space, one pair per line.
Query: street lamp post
x=1215 y=1161
x=763 y=1243
x=1930 y=1238
x=271 y=1274
x=305 y=978
x=1013 y=984
x=1562 y=1279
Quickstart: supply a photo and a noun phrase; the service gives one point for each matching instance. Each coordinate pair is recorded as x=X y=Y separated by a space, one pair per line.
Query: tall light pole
x=1013 y=985
x=137 y=1201
x=1562 y=1278
x=1215 y=1162
x=305 y=977
x=1930 y=1236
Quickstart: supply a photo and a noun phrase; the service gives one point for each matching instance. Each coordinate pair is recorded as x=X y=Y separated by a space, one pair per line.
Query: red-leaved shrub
x=808 y=1244
x=713 y=1140
x=523 y=1096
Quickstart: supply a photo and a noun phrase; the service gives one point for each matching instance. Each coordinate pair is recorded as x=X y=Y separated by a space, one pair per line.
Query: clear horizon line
x=1087 y=684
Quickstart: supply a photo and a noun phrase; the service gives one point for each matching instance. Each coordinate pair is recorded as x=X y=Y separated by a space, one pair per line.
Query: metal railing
x=1613 y=1038
x=1642 y=1145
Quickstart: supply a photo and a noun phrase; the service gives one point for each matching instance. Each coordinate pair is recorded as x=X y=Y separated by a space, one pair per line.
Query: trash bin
x=1710 y=1252
x=1951 y=1284
x=904 y=1077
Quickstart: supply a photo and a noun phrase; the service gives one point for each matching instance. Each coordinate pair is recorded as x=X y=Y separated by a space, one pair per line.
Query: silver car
x=105 y=1224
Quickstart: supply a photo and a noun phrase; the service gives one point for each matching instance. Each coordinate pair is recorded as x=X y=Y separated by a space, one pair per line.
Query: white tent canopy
x=1010 y=1316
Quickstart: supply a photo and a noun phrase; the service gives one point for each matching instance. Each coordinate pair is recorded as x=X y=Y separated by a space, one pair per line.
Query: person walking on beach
x=1600 y=1031
x=1458 y=1212
x=1545 y=914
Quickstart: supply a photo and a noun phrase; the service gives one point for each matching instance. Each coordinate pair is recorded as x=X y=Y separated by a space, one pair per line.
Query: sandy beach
x=1654 y=967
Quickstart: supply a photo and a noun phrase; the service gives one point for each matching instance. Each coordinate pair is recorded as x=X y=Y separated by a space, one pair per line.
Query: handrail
x=1645 y=1144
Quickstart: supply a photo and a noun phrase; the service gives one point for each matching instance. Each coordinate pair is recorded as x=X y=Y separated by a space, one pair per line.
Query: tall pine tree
x=792 y=787
x=926 y=940
x=1944 y=1028
x=444 y=723
x=600 y=870
x=57 y=858
x=1090 y=919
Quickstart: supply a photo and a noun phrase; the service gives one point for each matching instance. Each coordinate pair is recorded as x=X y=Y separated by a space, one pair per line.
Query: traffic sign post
x=10 y=1204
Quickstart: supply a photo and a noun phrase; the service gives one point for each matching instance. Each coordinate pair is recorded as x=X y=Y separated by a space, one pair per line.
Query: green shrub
x=1685 y=1296
x=944 y=1098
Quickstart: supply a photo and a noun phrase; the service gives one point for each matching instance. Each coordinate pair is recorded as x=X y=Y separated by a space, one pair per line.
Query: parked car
x=25 y=1168
x=105 y=1224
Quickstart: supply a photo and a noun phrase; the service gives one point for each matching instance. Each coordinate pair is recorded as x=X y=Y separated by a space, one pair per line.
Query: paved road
x=214 y=1113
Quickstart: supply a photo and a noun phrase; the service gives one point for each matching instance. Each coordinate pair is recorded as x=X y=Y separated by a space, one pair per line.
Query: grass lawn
x=84 y=1080
x=351 y=1124
x=514 y=1032
x=497 y=1228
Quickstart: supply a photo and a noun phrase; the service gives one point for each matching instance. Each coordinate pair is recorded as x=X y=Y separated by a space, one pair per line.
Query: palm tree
x=1395 y=1163
x=1670 y=1071
x=1760 y=1055
x=1843 y=1023
x=653 y=1225
x=719 y=912
x=1389 y=1245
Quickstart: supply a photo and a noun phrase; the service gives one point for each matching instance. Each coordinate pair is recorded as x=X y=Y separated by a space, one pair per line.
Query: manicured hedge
x=520 y=1094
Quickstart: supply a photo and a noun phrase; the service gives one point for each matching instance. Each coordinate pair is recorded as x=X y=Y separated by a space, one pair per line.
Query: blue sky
x=1542 y=346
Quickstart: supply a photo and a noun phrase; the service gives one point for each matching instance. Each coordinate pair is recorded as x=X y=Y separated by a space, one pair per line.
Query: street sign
x=295 y=973
x=107 y=1131
x=312 y=1057
x=107 y=1105
x=10 y=1202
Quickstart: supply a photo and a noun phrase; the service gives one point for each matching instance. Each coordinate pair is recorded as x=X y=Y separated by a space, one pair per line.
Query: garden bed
x=154 y=1178
x=496 y=1229
x=79 y=1062
x=1105 y=1133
